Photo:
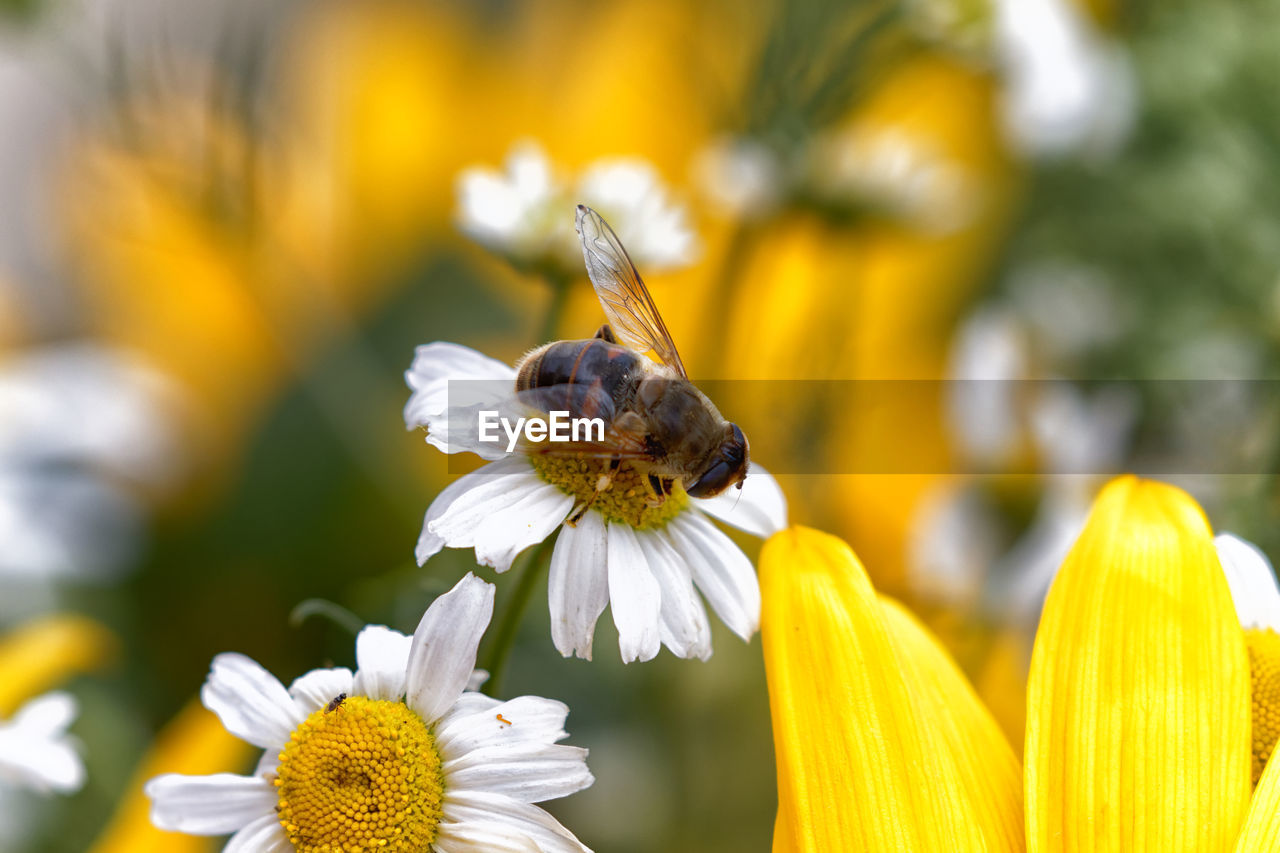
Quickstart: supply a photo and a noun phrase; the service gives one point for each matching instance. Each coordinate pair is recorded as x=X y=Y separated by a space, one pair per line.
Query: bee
x=335 y=703
x=656 y=419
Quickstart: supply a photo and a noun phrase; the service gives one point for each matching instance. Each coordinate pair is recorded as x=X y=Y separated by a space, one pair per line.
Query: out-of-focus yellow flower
x=880 y=742
x=45 y=652
x=194 y=743
x=1138 y=702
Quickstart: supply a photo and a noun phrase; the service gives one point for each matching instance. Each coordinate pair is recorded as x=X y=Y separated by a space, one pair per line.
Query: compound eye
x=714 y=481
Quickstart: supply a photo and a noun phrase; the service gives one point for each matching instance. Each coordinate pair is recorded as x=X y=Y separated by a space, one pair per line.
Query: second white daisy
x=395 y=757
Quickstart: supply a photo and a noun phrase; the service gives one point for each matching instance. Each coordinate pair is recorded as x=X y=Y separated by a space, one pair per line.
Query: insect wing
x=626 y=301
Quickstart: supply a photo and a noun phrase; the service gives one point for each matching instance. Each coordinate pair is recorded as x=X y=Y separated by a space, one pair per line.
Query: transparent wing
x=627 y=304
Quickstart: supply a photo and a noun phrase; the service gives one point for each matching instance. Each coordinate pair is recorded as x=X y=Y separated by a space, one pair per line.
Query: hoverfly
x=656 y=419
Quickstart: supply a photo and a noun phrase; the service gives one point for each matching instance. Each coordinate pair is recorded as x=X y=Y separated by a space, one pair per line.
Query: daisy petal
x=252 y=704
x=434 y=365
x=759 y=507
x=1252 y=582
x=318 y=687
x=209 y=805
x=46 y=716
x=503 y=512
x=481 y=809
x=529 y=719
x=578 y=585
x=264 y=835
x=444 y=647
x=38 y=756
x=382 y=658
x=429 y=544
x=634 y=596
x=685 y=629
x=461 y=838
x=477 y=680
x=527 y=772
x=721 y=571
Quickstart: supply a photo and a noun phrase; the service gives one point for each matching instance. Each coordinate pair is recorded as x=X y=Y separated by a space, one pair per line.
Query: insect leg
x=603 y=483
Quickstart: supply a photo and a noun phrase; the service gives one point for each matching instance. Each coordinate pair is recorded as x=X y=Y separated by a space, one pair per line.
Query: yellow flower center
x=626 y=499
x=361 y=774
x=1264 y=683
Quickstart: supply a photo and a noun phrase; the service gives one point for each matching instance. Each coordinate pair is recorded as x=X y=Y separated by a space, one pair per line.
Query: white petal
x=463 y=838
x=263 y=835
x=468 y=703
x=578 y=585
x=36 y=754
x=1252 y=582
x=759 y=507
x=434 y=366
x=252 y=704
x=382 y=658
x=209 y=805
x=444 y=647
x=505 y=508
x=685 y=629
x=525 y=719
x=47 y=715
x=429 y=544
x=319 y=687
x=477 y=680
x=484 y=811
x=720 y=570
x=528 y=772
x=634 y=596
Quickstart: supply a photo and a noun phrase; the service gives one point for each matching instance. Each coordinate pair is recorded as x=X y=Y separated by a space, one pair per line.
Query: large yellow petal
x=41 y=654
x=1262 y=824
x=860 y=766
x=194 y=743
x=984 y=762
x=1138 y=699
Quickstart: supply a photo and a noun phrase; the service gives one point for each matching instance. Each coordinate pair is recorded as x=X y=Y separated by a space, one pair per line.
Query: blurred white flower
x=892 y=172
x=741 y=177
x=524 y=213
x=989 y=356
x=954 y=540
x=1068 y=88
x=82 y=429
x=398 y=755
x=36 y=753
x=642 y=561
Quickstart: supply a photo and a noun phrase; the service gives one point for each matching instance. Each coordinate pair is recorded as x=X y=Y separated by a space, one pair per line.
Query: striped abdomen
x=589 y=378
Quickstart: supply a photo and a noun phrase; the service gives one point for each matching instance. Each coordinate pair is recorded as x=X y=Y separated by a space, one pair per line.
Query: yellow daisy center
x=627 y=497
x=361 y=774
x=1264 y=683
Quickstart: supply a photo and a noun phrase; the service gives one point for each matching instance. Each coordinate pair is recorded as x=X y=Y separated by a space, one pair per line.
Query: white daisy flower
x=36 y=753
x=519 y=213
x=643 y=561
x=395 y=757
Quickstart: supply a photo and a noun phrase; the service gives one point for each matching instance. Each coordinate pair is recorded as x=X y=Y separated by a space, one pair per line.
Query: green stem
x=727 y=281
x=325 y=609
x=504 y=638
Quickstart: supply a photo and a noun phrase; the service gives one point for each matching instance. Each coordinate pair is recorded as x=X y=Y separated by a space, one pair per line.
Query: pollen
x=626 y=497
x=366 y=777
x=1264 y=684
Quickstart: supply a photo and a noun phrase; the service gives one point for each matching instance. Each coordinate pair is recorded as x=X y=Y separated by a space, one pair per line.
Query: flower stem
x=559 y=285
x=513 y=614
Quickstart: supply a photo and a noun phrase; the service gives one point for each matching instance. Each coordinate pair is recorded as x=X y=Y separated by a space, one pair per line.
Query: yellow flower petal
x=985 y=763
x=1262 y=824
x=43 y=653
x=1138 y=698
x=861 y=766
x=195 y=743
